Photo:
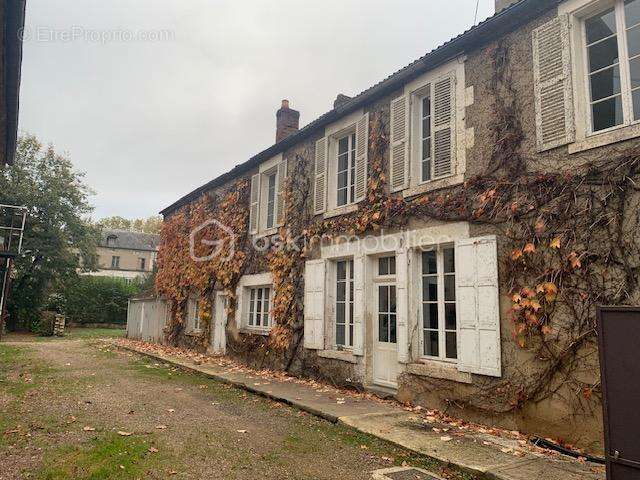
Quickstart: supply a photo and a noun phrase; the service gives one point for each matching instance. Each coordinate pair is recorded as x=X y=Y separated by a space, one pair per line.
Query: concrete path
x=487 y=455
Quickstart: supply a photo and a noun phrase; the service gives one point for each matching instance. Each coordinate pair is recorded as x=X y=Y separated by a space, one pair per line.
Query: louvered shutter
x=552 y=84
x=444 y=126
x=320 y=177
x=478 y=306
x=399 y=129
x=314 y=285
x=254 y=207
x=358 y=304
x=362 y=157
x=402 y=303
x=282 y=183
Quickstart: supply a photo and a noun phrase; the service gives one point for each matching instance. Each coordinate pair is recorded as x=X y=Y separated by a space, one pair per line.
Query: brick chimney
x=502 y=4
x=287 y=121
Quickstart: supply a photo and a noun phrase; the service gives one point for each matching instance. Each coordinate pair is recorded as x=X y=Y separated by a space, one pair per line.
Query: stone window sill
x=266 y=233
x=441 y=370
x=194 y=333
x=342 y=355
x=255 y=331
x=433 y=185
x=336 y=212
x=601 y=139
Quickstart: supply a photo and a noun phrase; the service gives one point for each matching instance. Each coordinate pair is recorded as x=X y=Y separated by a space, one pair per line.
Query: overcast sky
x=150 y=119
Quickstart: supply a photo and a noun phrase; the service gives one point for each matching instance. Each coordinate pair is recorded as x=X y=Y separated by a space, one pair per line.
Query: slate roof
x=128 y=240
x=490 y=29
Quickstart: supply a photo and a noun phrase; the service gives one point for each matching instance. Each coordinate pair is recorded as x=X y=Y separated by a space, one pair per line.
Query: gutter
x=494 y=27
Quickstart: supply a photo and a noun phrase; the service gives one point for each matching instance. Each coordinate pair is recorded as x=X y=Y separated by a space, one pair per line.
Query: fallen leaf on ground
x=161 y=427
x=241 y=431
x=445 y=439
x=125 y=434
x=153 y=450
x=171 y=410
x=89 y=429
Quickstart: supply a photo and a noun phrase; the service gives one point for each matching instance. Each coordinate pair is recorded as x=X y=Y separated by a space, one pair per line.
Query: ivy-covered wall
x=568 y=241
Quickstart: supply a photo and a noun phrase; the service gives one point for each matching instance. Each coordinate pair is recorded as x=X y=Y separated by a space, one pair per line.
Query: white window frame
x=578 y=11
x=243 y=298
x=256 y=310
x=271 y=198
x=416 y=90
x=441 y=302
x=267 y=169
x=334 y=132
x=349 y=299
x=382 y=280
x=351 y=169
x=115 y=262
x=193 y=314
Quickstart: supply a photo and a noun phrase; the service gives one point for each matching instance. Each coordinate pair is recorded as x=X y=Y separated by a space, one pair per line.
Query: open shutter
x=402 y=303
x=320 y=177
x=444 y=126
x=314 y=284
x=282 y=183
x=478 y=306
x=399 y=129
x=552 y=84
x=254 y=208
x=358 y=304
x=362 y=157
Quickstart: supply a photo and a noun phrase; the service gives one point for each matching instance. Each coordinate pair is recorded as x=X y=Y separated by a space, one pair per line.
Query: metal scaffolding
x=12 y=221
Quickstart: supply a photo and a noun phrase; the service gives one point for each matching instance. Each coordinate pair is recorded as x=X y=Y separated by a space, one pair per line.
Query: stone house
x=425 y=190
x=126 y=254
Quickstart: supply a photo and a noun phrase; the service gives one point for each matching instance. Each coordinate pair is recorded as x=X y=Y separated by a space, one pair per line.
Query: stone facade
x=429 y=382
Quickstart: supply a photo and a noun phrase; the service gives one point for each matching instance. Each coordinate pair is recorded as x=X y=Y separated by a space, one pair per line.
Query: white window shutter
x=402 y=304
x=282 y=179
x=320 y=177
x=314 y=293
x=254 y=208
x=399 y=142
x=362 y=157
x=358 y=304
x=552 y=84
x=478 y=306
x=444 y=126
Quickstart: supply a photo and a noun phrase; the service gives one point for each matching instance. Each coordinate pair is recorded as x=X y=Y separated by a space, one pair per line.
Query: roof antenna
x=475 y=17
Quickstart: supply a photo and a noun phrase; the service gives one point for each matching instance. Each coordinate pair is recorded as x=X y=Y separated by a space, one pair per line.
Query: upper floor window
x=612 y=41
x=346 y=170
x=115 y=262
x=112 y=240
x=425 y=142
x=143 y=264
x=267 y=201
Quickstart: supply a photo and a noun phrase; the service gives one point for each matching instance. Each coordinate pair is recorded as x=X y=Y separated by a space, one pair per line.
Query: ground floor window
x=439 y=318
x=193 y=314
x=259 y=307
x=344 y=303
x=387 y=309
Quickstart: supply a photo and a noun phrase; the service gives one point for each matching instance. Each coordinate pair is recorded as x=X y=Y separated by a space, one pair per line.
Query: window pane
x=605 y=83
x=450 y=316
x=430 y=289
x=603 y=54
x=342 y=197
x=451 y=345
x=633 y=41
x=340 y=312
x=343 y=162
x=383 y=266
x=607 y=113
x=342 y=270
x=351 y=334
x=343 y=145
x=392 y=329
x=392 y=299
x=449 y=288
x=634 y=66
x=636 y=104
x=449 y=260
x=632 y=12
x=392 y=265
x=383 y=328
x=342 y=179
x=430 y=315
x=426 y=149
x=429 y=264
x=431 y=343
x=383 y=299
x=601 y=26
x=426 y=106
x=340 y=335
x=341 y=291
x=426 y=127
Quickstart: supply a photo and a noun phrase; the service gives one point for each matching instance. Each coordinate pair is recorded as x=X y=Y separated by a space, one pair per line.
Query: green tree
x=59 y=240
x=145 y=225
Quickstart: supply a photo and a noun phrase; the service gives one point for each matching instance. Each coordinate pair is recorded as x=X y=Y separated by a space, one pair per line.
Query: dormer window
x=112 y=240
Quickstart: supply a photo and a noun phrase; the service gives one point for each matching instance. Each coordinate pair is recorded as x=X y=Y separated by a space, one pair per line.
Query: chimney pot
x=340 y=99
x=287 y=121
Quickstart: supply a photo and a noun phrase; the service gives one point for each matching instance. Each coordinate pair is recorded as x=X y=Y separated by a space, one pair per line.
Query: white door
x=385 y=342
x=219 y=337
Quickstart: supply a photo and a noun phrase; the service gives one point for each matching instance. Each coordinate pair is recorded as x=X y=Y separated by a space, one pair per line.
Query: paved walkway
x=481 y=453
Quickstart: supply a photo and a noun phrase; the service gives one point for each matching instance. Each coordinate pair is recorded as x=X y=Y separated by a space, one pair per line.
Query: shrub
x=88 y=299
